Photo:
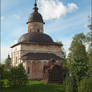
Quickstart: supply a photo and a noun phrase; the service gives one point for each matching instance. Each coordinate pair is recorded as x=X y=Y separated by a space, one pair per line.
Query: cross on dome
x=35 y=7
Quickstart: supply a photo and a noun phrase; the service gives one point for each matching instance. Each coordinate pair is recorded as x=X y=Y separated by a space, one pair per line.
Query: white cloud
x=54 y=9
x=72 y=7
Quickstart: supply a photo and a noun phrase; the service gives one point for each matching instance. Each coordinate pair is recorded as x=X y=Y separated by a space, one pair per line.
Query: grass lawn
x=37 y=86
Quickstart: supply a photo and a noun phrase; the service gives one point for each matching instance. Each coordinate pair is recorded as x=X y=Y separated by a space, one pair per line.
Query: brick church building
x=35 y=48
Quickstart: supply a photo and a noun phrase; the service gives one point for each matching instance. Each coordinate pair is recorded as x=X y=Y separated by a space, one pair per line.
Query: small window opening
x=30 y=30
x=38 y=30
x=16 y=60
x=28 y=71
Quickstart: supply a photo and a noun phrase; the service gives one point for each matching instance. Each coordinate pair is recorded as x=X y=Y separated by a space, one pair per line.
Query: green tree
x=18 y=76
x=89 y=42
x=85 y=85
x=70 y=84
x=1 y=72
x=77 y=59
x=1 y=76
x=8 y=61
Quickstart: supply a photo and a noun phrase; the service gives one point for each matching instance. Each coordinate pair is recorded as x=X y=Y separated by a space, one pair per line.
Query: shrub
x=85 y=85
x=70 y=84
x=18 y=77
x=1 y=76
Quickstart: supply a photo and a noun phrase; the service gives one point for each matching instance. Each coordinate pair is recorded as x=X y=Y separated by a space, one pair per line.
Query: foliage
x=1 y=76
x=85 y=85
x=90 y=25
x=88 y=37
x=77 y=49
x=89 y=42
x=78 y=57
x=77 y=61
x=1 y=72
x=18 y=76
x=7 y=62
x=70 y=84
x=79 y=70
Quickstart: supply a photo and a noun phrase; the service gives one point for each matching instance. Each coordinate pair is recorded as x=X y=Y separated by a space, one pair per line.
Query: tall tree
x=89 y=42
x=86 y=82
x=77 y=59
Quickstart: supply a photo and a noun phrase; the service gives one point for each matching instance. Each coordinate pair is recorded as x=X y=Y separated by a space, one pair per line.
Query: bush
x=18 y=77
x=85 y=85
x=1 y=76
x=70 y=84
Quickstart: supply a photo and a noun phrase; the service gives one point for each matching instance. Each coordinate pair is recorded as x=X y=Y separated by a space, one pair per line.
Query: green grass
x=37 y=86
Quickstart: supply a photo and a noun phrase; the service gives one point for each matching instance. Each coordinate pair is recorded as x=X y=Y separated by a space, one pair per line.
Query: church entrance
x=52 y=73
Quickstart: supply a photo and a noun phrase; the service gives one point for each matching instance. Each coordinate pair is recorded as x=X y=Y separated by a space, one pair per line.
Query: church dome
x=35 y=16
x=35 y=37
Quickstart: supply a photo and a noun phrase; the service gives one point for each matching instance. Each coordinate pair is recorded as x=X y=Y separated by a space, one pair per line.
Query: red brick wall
x=36 y=68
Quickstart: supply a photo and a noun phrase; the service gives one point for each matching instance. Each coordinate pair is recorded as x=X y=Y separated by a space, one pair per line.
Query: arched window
x=28 y=70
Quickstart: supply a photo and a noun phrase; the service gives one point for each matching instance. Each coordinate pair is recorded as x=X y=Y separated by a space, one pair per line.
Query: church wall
x=36 y=68
x=22 y=49
x=16 y=55
x=26 y=48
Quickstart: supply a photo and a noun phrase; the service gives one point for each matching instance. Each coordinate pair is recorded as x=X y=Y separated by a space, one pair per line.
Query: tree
x=78 y=56
x=85 y=85
x=1 y=76
x=89 y=42
x=70 y=84
x=90 y=25
x=1 y=72
x=18 y=76
x=8 y=61
x=77 y=59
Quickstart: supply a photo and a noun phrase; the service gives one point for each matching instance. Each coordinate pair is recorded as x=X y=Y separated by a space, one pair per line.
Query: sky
x=63 y=19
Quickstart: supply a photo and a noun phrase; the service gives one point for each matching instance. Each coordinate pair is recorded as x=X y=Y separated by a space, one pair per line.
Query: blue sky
x=63 y=20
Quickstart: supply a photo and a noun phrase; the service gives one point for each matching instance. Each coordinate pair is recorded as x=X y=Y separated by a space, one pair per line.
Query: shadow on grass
x=37 y=88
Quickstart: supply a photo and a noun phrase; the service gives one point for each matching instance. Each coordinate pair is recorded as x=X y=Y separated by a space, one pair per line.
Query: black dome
x=36 y=38
x=35 y=17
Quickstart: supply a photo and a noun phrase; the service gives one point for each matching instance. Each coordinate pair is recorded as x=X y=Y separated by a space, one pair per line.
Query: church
x=35 y=48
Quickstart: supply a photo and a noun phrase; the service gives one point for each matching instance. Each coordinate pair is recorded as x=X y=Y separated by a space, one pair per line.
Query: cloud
x=71 y=7
x=54 y=9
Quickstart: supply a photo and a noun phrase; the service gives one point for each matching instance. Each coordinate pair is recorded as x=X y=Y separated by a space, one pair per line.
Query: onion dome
x=35 y=16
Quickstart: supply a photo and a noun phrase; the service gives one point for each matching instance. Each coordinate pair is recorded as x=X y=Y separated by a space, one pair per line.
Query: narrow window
x=38 y=30
x=28 y=71
x=16 y=60
x=30 y=30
